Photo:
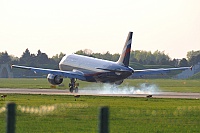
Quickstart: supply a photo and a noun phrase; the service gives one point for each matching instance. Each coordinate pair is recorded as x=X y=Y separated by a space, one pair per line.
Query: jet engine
x=54 y=79
x=119 y=82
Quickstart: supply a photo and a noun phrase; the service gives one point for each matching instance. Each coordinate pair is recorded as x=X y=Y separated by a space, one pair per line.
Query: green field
x=44 y=113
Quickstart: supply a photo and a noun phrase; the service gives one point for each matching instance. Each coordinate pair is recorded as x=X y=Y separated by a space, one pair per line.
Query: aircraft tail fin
x=124 y=57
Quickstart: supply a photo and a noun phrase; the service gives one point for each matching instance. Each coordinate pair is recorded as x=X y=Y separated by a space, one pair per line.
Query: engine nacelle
x=119 y=82
x=54 y=79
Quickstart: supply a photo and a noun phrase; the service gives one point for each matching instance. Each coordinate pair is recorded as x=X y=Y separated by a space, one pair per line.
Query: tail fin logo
x=125 y=56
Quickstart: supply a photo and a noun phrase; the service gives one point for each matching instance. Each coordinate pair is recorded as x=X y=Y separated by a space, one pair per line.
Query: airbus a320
x=91 y=69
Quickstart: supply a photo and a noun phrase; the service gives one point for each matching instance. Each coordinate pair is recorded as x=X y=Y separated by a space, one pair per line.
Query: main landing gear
x=73 y=86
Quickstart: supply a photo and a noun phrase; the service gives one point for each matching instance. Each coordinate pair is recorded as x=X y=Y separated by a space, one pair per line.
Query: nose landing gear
x=73 y=86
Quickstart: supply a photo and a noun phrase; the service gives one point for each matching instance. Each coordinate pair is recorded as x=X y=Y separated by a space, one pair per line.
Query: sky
x=55 y=26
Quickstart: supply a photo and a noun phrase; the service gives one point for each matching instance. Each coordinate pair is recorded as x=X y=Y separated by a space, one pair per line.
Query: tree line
x=149 y=58
x=138 y=56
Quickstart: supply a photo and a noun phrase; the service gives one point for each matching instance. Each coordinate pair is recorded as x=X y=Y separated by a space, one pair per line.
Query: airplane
x=91 y=69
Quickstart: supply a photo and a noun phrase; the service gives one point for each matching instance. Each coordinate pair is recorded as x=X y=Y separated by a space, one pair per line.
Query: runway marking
x=66 y=92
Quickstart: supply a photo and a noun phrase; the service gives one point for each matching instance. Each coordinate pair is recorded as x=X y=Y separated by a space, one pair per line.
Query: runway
x=96 y=93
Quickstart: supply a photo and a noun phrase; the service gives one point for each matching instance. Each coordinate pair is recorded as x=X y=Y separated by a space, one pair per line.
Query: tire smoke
x=143 y=88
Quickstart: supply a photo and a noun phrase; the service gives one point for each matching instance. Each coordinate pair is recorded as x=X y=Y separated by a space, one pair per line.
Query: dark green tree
x=183 y=63
x=57 y=58
x=26 y=57
x=4 y=58
x=42 y=58
x=194 y=60
x=192 y=53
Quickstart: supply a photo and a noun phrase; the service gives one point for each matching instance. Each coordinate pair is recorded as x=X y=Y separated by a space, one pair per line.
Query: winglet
x=124 y=57
x=191 y=68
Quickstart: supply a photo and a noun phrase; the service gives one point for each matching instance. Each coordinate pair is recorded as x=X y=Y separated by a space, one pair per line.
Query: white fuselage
x=94 y=69
x=82 y=63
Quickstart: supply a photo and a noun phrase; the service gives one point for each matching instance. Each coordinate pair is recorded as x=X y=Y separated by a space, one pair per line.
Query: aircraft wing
x=157 y=71
x=67 y=74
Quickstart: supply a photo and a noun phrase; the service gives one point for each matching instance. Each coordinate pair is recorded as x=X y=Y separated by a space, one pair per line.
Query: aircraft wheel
x=76 y=90
x=71 y=89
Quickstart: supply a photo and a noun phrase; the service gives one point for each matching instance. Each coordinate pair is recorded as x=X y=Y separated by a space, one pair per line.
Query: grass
x=28 y=83
x=169 y=84
x=43 y=113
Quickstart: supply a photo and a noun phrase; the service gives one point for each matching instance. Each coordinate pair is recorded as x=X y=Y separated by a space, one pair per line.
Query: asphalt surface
x=96 y=93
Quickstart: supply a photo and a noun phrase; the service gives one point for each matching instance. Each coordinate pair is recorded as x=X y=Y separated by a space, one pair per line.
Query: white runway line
x=94 y=93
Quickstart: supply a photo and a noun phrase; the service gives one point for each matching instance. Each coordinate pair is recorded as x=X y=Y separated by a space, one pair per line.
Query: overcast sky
x=55 y=26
